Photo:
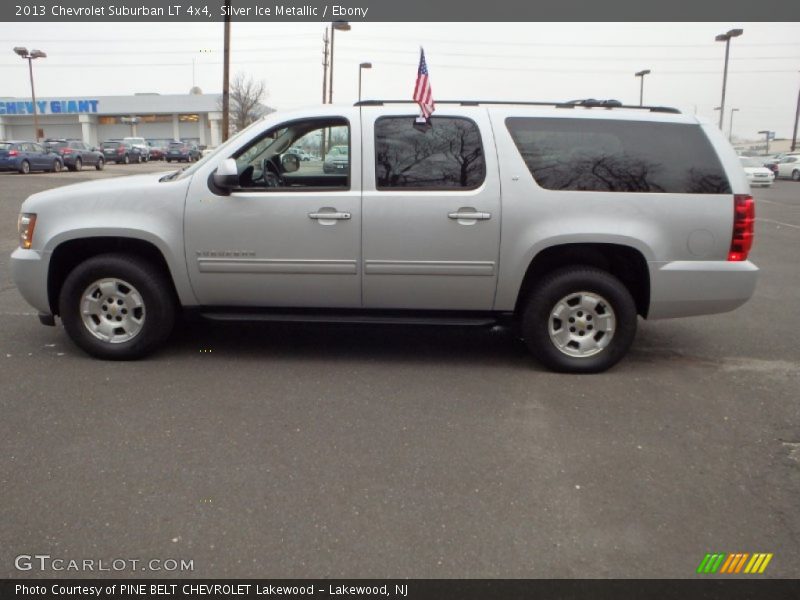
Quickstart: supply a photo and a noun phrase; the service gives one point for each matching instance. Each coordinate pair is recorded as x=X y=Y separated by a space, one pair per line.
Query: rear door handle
x=339 y=216
x=472 y=216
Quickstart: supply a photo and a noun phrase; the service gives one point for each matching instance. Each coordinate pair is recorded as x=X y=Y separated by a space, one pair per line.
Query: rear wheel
x=78 y=164
x=57 y=166
x=138 y=158
x=579 y=320
x=117 y=307
x=24 y=167
x=126 y=159
x=795 y=175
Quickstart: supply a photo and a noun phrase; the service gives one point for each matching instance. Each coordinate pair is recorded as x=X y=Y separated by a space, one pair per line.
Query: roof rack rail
x=584 y=103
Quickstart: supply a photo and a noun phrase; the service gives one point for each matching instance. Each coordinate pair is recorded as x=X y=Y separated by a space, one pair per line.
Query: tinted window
x=37 y=148
x=618 y=156
x=5 y=146
x=447 y=155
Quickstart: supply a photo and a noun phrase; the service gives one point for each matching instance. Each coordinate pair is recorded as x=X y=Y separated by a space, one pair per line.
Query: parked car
x=182 y=152
x=140 y=144
x=337 y=160
x=120 y=151
x=27 y=157
x=756 y=172
x=300 y=153
x=789 y=167
x=567 y=225
x=75 y=154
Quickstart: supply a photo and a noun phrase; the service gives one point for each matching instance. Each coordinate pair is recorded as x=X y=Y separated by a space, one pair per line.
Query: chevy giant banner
x=52 y=107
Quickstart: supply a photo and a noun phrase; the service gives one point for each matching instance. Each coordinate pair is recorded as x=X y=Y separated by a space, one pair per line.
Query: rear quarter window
x=606 y=155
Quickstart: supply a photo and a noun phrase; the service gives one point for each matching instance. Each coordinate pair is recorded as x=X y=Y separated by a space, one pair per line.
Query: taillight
x=121 y=150
x=744 y=219
x=13 y=153
x=67 y=151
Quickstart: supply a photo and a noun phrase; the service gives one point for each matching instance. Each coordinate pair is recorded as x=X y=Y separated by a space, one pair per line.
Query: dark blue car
x=28 y=156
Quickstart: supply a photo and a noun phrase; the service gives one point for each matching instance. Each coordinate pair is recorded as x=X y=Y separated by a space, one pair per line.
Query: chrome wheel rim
x=582 y=324
x=112 y=310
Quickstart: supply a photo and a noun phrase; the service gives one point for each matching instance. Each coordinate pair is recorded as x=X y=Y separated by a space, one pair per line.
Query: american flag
x=422 y=90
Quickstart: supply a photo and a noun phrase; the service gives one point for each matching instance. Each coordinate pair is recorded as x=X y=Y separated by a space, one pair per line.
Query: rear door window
x=448 y=155
x=607 y=155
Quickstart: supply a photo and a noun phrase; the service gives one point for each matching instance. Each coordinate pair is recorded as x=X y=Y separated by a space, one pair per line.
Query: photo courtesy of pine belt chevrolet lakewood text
x=566 y=220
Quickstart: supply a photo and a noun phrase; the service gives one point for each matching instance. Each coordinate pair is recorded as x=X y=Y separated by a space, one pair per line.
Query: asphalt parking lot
x=354 y=451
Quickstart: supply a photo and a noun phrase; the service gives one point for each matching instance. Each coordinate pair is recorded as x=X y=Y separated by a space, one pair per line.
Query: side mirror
x=290 y=162
x=227 y=174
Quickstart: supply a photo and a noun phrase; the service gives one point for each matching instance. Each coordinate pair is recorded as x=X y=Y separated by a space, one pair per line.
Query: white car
x=757 y=173
x=790 y=167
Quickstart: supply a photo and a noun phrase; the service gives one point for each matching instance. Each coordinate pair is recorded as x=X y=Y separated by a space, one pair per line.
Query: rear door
x=431 y=210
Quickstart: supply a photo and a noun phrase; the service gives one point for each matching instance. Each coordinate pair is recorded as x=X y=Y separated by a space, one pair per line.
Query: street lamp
x=30 y=56
x=335 y=26
x=361 y=67
x=796 y=119
x=730 y=131
x=641 y=84
x=726 y=37
x=194 y=58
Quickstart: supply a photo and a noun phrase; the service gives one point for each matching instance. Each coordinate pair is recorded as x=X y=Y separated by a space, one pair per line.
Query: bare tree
x=246 y=95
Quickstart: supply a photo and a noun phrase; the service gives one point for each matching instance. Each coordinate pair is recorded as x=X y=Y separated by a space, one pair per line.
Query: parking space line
x=778 y=223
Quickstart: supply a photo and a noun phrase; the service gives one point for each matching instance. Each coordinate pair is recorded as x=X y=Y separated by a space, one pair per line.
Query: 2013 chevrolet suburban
x=569 y=219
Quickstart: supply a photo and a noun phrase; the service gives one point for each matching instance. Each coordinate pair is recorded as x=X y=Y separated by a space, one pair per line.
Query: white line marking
x=778 y=223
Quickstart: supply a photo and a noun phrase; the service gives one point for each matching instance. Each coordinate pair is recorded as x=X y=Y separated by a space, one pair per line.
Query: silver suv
x=568 y=220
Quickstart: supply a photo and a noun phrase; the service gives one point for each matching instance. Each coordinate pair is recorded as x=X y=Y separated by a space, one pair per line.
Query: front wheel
x=100 y=164
x=117 y=307
x=57 y=166
x=78 y=164
x=579 y=320
x=126 y=160
x=795 y=175
x=25 y=167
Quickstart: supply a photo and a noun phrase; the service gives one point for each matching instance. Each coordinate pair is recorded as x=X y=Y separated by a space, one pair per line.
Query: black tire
x=138 y=158
x=24 y=167
x=169 y=160
x=57 y=165
x=795 y=175
x=78 y=164
x=536 y=315
x=152 y=284
x=100 y=164
x=126 y=160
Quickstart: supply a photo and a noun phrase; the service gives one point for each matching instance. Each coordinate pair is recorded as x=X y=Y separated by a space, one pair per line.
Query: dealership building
x=193 y=117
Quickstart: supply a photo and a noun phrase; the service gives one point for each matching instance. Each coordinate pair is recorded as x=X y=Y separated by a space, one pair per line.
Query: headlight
x=25 y=225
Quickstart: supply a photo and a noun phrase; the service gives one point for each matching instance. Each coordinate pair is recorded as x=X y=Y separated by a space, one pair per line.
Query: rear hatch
x=5 y=148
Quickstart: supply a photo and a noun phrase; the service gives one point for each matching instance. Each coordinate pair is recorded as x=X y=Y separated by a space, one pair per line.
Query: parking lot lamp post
x=796 y=119
x=730 y=131
x=361 y=67
x=30 y=56
x=641 y=75
x=726 y=37
x=335 y=26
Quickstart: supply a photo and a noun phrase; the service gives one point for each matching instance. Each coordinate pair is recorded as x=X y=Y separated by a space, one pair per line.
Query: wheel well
x=624 y=262
x=71 y=253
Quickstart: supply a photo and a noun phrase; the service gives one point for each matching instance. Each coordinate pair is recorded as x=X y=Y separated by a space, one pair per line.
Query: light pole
x=335 y=26
x=796 y=119
x=30 y=56
x=361 y=67
x=194 y=58
x=641 y=74
x=730 y=131
x=726 y=37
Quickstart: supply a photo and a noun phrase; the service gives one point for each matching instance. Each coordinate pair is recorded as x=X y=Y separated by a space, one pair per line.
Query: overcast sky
x=515 y=61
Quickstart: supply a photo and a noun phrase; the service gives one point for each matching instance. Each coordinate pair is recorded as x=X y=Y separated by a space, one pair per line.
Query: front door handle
x=470 y=215
x=338 y=216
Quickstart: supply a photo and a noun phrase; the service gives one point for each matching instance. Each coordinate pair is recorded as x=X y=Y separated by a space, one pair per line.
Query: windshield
x=751 y=162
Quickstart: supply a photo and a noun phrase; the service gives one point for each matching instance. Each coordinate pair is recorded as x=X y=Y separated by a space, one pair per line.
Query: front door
x=285 y=237
x=431 y=212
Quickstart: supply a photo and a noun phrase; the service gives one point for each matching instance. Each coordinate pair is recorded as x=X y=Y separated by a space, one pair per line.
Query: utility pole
x=725 y=37
x=226 y=74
